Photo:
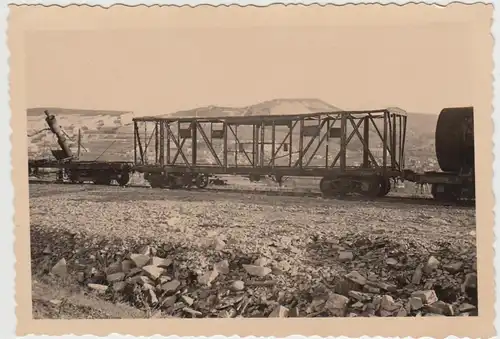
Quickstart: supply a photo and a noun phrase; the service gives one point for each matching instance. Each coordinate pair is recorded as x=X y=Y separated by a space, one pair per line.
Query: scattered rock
x=359 y=296
x=144 y=250
x=170 y=286
x=355 y=277
x=387 y=303
x=358 y=305
x=465 y=307
x=431 y=265
x=160 y=262
x=337 y=305
x=427 y=296
x=417 y=275
x=187 y=300
x=262 y=261
x=169 y=301
x=256 y=270
x=127 y=266
x=416 y=303
x=119 y=286
x=98 y=287
x=115 y=267
x=371 y=289
x=114 y=277
x=237 y=285
x=194 y=313
x=60 y=269
x=139 y=260
x=153 y=272
x=440 y=307
x=385 y=278
x=218 y=244
x=391 y=262
x=151 y=296
x=279 y=312
x=222 y=267
x=470 y=282
x=345 y=256
x=283 y=266
x=207 y=278
x=453 y=267
x=140 y=279
x=294 y=312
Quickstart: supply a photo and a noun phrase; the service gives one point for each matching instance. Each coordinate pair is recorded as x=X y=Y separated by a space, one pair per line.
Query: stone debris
x=257 y=270
x=208 y=278
x=60 y=268
x=237 y=285
x=373 y=277
x=153 y=272
x=355 y=277
x=222 y=267
x=98 y=287
x=115 y=277
x=345 y=256
x=453 y=267
x=427 y=297
x=170 y=286
x=417 y=275
x=279 y=312
x=337 y=305
x=139 y=260
x=415 y=303
x=431 y=265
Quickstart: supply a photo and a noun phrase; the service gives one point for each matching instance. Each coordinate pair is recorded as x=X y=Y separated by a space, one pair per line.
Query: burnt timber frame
x=313 y=144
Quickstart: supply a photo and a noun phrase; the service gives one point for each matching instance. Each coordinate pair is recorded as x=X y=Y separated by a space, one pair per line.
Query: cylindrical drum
x=454 y=139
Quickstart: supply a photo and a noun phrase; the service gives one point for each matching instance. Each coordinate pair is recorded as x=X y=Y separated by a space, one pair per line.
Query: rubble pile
x=359 y=274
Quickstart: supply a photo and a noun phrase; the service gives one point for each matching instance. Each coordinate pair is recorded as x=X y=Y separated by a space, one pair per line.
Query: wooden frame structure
x=289 y=145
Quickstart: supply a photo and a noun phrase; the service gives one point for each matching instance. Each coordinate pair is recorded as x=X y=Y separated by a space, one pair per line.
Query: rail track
x=394 y=198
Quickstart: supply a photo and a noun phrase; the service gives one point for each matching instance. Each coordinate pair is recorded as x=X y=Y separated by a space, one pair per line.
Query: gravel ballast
x=205 y=254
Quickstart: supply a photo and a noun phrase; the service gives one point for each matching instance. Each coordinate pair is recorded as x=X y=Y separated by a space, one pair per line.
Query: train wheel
x=155 y=180
x=124 y=178
x=325 y=186
x=174 y=182
x=254 y=177
x=333 y=186
x=371 y=187
x=201 y=181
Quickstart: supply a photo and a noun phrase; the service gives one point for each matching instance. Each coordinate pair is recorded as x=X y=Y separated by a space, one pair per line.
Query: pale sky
x=420 y=67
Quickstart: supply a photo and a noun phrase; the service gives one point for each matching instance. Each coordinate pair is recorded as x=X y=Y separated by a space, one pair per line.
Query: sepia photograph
x=293 y=163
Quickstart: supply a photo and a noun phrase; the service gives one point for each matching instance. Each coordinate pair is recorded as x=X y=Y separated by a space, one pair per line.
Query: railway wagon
x=351 y=151
x=454 y=147
x=69 y=167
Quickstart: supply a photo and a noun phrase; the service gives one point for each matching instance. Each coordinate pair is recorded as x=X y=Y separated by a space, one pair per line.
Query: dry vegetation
x=110 y=252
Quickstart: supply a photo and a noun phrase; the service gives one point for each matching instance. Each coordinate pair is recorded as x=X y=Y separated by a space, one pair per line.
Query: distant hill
x=270 y=107
x=107 y=135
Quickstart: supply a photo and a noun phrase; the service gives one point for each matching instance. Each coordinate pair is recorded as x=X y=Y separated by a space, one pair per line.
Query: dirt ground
x=301 y=252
